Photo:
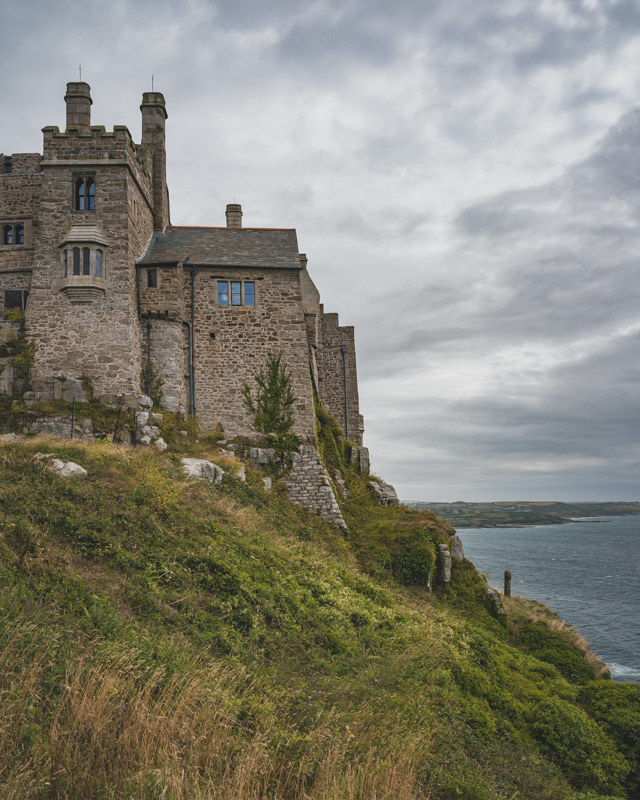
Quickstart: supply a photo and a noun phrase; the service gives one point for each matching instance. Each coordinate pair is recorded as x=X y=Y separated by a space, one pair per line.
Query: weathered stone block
x=261 y=456
x=384 y=493
x=202 y=469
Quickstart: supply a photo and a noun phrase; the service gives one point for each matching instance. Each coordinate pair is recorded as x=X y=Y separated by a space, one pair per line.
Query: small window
x=85 y=194
x=223 y=293
x=152 y=278
x=65 y=262
x=249 y=293
x=76 y=260
x=236 y=293
x=15 y=298
x=86 y=261
x=7 y=234
x=19 y=234
x=8 y=164
x=98 y=263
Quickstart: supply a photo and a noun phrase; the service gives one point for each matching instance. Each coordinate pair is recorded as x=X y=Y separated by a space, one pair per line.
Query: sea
x=587 y=571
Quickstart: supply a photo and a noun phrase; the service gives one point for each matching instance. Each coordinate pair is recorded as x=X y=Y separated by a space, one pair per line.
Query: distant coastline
x=520 y=514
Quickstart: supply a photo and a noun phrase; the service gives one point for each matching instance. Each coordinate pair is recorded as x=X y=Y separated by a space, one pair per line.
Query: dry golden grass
x=116 y=727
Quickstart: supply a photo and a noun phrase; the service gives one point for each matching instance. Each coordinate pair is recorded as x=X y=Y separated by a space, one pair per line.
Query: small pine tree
x=273 y=406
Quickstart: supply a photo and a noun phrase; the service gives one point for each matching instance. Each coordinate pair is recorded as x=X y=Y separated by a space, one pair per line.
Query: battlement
x=92 y=132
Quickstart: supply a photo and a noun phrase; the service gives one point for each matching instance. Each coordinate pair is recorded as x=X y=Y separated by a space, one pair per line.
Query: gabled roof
x=272 y=248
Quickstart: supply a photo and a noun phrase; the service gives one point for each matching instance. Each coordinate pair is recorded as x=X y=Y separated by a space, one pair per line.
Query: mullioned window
x=236 y=293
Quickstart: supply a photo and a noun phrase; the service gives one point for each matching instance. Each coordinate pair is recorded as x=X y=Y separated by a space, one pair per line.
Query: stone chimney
x=303 y=260
x=78 y=100
x=234 y=215
x=154 y=115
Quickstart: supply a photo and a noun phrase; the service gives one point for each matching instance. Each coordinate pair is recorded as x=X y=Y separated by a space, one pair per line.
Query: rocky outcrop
x=444 y=564
x=66 y=469
x=495 y=599
x=202 y=469
x=384 y=493
x=60 y=425
x=456 y=548
x=308 y=485
x=147 y=432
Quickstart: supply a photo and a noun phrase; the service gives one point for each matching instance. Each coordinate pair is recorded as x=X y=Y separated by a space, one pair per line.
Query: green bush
x=586 y=755
x=553 y=648
x=616 y=708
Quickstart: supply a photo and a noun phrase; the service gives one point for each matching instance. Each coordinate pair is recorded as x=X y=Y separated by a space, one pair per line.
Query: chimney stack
x=234 y=215
x=303 y=260
x=154 y=116
x=78 y=100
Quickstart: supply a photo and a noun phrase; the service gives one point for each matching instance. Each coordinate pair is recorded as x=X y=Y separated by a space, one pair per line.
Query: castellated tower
x=88 y=253
x=101 y=198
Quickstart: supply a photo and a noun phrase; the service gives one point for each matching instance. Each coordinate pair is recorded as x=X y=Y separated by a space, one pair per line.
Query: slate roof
x=275 y=248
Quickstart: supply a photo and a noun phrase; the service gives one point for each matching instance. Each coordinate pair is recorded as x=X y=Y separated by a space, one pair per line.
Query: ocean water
x=587 y=571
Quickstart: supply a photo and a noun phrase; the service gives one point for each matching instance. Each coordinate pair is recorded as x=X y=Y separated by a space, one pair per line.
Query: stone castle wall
x=331 y=374
x=232 y=344
x=19 y=203
x=169 y=360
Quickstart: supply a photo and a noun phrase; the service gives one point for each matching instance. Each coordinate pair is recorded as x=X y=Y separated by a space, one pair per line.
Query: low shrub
x=584 y=751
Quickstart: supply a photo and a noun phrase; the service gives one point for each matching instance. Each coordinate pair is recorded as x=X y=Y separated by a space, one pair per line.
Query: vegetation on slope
x=168 y=638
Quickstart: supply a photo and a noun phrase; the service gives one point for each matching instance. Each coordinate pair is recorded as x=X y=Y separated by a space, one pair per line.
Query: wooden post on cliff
x=507 y=583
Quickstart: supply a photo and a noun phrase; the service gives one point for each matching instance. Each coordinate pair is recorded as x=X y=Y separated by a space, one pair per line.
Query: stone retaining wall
x=308 y=485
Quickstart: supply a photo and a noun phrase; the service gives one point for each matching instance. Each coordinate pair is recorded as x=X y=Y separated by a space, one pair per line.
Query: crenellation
x=108 y=285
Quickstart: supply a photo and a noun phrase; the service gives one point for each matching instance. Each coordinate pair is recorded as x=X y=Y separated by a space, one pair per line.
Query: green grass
x=166 y=638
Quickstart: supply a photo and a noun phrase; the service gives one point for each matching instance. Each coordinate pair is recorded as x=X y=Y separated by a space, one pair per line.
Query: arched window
x=7 y=234
x=76 y=260
x=98 y=263
x=19 y=234
x=85 y=194
x=86 y=261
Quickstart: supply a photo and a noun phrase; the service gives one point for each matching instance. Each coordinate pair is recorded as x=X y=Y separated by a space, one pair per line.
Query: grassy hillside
x=165 y=638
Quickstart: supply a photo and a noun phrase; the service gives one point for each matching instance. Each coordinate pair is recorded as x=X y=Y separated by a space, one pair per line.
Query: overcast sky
x=463 y=175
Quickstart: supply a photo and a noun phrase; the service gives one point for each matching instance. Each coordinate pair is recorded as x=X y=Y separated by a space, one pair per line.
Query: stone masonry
x=308 y=485
x=105 y=281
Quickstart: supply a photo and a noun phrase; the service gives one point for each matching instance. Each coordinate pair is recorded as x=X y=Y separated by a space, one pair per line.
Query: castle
x=108 y=285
